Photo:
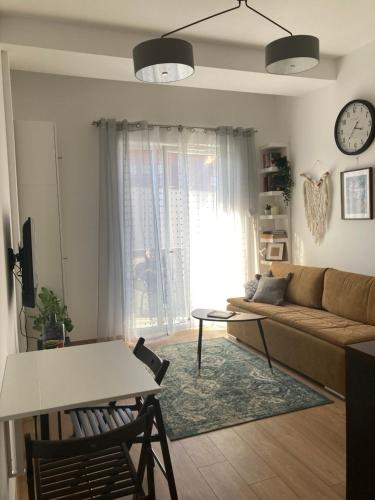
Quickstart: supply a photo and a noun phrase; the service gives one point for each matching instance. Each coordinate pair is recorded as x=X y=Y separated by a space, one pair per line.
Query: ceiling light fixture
x=163 y=60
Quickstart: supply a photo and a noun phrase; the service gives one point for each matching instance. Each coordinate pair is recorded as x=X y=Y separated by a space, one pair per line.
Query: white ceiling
x=341 y=25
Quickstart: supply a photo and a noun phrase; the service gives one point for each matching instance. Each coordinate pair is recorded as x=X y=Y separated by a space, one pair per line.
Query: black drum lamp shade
x=163 y=60
x=292 y=54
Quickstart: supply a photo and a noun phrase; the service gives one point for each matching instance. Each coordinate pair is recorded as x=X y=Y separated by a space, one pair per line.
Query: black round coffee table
x=201 y=315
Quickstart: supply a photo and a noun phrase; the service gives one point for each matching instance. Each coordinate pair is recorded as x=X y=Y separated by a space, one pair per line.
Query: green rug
x=235 y=386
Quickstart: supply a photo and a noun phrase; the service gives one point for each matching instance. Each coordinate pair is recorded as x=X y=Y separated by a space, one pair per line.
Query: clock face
x=355 y=127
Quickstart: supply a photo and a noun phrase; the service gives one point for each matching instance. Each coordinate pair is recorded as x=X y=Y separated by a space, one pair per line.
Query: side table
x=201 y=315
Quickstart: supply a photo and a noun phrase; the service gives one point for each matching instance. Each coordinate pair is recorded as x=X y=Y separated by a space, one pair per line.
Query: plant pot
x=53 y=333
x=267 y=212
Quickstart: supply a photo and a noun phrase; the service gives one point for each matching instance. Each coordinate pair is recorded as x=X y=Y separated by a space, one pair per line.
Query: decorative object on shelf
x=356 y=194
x=282 y=180
x=316 y=200
x=267 y=209
x=269 y=158
x=275 y=210
x=355 y=127
x=163 y=60
x=51 y=309
x=275 y=251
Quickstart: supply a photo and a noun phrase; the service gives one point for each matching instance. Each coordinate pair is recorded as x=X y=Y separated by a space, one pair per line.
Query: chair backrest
x=67 y=448
x=62 y=454
x=157 y=365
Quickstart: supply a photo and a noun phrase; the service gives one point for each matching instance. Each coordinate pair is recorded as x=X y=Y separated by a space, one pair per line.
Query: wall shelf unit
x=274 y=228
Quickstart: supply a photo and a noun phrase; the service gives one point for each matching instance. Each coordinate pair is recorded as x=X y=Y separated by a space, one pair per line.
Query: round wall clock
x=355 y=127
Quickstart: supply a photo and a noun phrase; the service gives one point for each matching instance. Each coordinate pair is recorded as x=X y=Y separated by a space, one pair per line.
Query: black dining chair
x=91 y=421
x=97 y=467
x=94 y=420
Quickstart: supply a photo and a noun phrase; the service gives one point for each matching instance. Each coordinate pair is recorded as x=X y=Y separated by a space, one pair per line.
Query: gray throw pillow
x=252 y=285
x=272 y=290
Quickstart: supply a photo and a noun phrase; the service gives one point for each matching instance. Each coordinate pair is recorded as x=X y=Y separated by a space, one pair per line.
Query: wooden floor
x=299 y=455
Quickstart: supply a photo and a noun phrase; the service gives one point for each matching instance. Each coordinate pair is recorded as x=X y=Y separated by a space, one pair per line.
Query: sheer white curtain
x=174 y=224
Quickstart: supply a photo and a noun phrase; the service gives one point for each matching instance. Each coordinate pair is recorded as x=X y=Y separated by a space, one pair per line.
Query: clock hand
x=350 y=136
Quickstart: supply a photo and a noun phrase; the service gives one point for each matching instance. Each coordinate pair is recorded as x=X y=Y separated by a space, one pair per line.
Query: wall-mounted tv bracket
x=13 y=258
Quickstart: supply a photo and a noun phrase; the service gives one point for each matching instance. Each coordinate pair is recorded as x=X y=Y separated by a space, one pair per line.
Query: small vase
x=267 y=212
x=275 y=210
x=53 y=333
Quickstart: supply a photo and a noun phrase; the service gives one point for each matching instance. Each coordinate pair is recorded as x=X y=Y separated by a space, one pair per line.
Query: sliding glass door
x=173 y=224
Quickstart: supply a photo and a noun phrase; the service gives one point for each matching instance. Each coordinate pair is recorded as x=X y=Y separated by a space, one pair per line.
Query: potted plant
x=283 y=180
x=267 y=209
x=52 y=319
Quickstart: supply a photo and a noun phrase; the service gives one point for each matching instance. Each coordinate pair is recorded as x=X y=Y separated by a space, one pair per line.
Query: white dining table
x=53 y=380
x=50 y=380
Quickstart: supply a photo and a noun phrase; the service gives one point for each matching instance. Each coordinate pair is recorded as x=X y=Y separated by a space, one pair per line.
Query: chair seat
x=109 y=471
x=96 y=420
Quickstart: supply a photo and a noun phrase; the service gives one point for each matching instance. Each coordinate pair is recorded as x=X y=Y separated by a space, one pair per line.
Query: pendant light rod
x=204 y=19
x=268 y=18
x=225 y=12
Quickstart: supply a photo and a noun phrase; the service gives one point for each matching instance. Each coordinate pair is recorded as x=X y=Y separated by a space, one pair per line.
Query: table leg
x=260 y=327
x=44 y=426
x=200 y=344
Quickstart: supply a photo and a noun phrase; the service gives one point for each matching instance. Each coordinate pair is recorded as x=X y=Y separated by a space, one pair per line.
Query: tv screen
x=27 y=260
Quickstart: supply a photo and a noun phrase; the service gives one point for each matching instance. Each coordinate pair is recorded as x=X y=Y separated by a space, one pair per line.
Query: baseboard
x=332 y=391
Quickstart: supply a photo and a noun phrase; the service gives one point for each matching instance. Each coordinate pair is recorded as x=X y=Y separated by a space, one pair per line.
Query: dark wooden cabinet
x=360 y=421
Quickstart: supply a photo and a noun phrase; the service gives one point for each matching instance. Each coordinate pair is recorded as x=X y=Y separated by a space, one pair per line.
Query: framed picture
x=275 y=251
x=356 y=194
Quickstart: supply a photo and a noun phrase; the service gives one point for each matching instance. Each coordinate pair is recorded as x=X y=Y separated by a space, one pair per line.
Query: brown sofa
x=326 y=310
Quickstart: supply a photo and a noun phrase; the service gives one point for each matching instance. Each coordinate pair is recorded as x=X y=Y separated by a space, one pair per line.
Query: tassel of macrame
x=316 y=200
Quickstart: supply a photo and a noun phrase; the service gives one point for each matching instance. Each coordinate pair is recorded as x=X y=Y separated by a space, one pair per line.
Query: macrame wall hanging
x=316 y=199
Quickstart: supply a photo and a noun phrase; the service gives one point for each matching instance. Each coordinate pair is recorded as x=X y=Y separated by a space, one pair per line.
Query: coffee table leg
x=200 y=344
x=260 y=327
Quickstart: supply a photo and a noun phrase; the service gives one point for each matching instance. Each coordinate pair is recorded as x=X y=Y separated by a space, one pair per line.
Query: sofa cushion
x=252 y=285
x=371 y=305
x=305 y=287
x=347 y=294
x=319 y=323
x=272 y=290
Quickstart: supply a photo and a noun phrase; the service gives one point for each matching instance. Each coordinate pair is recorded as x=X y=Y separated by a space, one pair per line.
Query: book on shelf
x=220 y=314
x=273 y=234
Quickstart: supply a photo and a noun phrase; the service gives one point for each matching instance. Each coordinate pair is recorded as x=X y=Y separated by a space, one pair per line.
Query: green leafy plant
x=283 y=179
x=49 y=303
x=268 y=207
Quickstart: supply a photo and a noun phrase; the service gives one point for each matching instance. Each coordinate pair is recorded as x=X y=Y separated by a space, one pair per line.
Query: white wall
x=38 y=191
x=8 y=330
x=310 y=119
x=73 y=103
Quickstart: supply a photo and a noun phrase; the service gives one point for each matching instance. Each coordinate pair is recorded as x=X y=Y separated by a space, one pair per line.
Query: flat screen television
x=26 y=259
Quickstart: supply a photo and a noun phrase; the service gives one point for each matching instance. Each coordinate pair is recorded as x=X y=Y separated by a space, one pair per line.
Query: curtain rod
x=96 y=123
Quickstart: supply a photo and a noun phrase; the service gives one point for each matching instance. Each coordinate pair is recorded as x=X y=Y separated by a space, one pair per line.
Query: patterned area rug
x=235 y=386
